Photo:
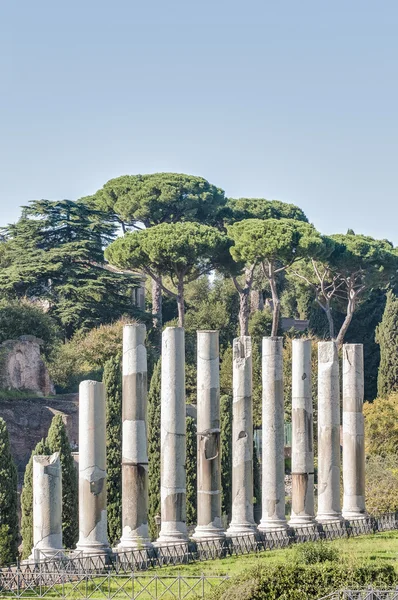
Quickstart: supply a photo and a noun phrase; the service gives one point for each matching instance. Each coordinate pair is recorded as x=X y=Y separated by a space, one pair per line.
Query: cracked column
x=208 y=427
x=173 y=438
x=302 y=436
x=328 y=433
x=134 y=440
x=47 y=507
x=93 y=537
x=242 y=522
x=353 y=433
x=273 y=459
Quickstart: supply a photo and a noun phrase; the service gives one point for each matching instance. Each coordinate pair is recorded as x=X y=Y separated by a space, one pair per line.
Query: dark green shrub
x=154 y=450
x=191 y=471
x=8 y=500
x=311 y=553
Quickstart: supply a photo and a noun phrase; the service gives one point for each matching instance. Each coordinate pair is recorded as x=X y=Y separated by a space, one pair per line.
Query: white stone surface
x=302 y=436
x=273 y=459
x=242 y=522
x=329 y=508
x=353 y=433
x=208 y=427
x=93 y=537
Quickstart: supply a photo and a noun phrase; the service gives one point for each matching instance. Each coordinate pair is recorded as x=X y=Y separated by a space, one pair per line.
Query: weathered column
x=173 y=438
x=328 y=433
x=208 y=427
x=273 y=460
x=134 y=440
x=93 y=538
x=353 y=433
x=242 y=440
x=302 y=436
x=47 y=506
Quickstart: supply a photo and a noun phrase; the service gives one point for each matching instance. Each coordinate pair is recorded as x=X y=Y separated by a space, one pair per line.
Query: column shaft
x=173 y=437
x=93 y=536
x=208 y=427
x=302 y=435
x=47 y=506
x=328 y=433
x=273 y=436
x=242 y=440
x=353 y=432
x=134 y=445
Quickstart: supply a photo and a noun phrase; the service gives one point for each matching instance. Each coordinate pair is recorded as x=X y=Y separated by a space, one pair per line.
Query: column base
x=352 y=515
x=239 y=529
x=302 y=521
x=94 y=549
x=129 y=545
x=272 y=525
x=203 y=533
x=325 y=518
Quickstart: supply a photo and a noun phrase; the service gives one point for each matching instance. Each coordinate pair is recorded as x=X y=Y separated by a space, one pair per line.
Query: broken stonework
x=328 y=433
x=273 y=460
x=134 y=440
x=22 y=368
x=302 y=436
x=353 y=433
x=173 y=438
x=47 y=507
x=242 y=522
x=93 y=537
x=208 y=426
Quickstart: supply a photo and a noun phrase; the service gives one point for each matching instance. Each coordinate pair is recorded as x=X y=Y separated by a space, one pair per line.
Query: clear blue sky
x=283 y=99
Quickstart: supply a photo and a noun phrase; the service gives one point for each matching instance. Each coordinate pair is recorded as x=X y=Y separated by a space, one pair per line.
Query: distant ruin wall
x=22 y=368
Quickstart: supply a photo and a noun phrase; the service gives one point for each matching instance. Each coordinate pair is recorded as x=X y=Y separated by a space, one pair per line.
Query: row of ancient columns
x=92 y=445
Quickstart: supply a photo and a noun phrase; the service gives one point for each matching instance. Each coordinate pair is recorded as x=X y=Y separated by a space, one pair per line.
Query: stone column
x=173 y=438
x=273 y=459
x=353 y=433
x=134 y=440
x=242 y=522
x=93 y=537
x=328 y=433
x=47 y=507
x=302 y=436
x=208 y=427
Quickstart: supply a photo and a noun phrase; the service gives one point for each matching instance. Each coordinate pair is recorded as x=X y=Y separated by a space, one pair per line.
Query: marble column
x=93 y=537
x=328 y=433
x=242 y=522
x=302 y=435
x=353 y=433
x=134 y=440
x=208 y=426
x=273 y=439
x=173 y=438
x=47 y=507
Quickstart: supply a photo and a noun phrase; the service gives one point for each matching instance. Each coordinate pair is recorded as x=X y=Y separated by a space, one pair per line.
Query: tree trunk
x=276 y=308
x=156 y=305
x=329 y=317
x=346 y=323
x=256 y=301
x=244 y=312
x=180 y=303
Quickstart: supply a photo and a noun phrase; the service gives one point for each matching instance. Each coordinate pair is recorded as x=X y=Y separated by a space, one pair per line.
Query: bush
x=154 y=450
x=311 y=553
x=387 y=338
x=381 y=426
x=8 y=500
x=381 y=483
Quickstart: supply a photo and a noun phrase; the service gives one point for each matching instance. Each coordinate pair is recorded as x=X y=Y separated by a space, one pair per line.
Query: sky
x=285 y=99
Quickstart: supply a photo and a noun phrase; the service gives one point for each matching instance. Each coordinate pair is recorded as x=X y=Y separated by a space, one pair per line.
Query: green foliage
x=24 y=318
x=154 y=449
x=8 y=500
x=27 y=500
x=159 y=198
x=387 y=338
x=312 y=553
x=260 y=208
x=381 y=426
x=191 y=471
x=54 y=254
x=57 y=441
x=256 y=485
x=226 y=455
x=112 y=380
x=381 y=483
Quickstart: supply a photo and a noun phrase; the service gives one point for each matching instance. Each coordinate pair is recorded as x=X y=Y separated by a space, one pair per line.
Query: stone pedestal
x=242 y=522
x=173 y=438
x=208 y=427
x=353 y=433
x=134 y=440
x=93 y=537
x=328 y=434
x=273 y=459
x=302 y=436
x=47 y=507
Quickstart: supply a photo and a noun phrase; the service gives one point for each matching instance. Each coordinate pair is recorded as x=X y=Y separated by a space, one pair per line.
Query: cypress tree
x=387 y=338
x=27 y=500
x=191 y=471
x=8 y=500
x=256 y=484
x=57 y=441
x=226 y=455
x=113 y=385
x=154 y=449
